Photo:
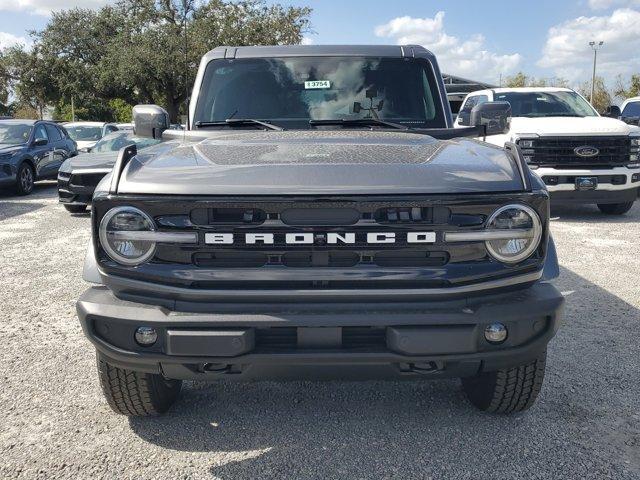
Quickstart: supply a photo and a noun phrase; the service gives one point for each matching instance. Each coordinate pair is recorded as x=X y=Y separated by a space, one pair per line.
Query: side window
x=469 y=104
x=465 y=112
x=41 y=132
x=54 y=133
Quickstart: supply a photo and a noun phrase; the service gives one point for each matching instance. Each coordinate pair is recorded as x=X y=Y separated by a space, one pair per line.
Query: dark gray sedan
x=79 y=176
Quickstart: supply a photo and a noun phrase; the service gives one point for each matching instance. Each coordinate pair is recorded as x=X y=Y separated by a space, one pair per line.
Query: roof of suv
x=317 y=50
x=532 y=89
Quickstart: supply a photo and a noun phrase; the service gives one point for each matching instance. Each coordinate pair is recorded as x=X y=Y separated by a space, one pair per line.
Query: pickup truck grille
x=321 y=263
x=560 y=152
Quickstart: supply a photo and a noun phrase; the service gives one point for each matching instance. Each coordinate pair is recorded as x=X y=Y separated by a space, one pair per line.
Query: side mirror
x=150 y=120
x=613 y=111
x=495 y=116
x=40 y=142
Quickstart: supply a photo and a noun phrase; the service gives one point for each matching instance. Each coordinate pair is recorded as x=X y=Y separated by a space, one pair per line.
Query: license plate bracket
x=586 y=183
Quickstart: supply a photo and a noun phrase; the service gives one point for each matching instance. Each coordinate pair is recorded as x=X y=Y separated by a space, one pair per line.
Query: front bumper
x=77 y=187
x=614 y=185
x=441 y=338
x=7 y=174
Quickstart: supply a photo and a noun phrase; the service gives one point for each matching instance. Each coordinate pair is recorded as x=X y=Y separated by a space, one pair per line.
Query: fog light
x=495 y=333
x=146 y=336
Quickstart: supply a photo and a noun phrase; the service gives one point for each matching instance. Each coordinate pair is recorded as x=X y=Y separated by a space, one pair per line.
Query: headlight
x=634 y=149
x=124 y=235
x=516 y=231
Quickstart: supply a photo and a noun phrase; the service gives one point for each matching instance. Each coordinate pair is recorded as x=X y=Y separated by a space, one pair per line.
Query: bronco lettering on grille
x=310 y=238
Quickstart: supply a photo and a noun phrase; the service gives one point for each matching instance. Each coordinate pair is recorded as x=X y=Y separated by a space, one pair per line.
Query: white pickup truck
x=581 y=156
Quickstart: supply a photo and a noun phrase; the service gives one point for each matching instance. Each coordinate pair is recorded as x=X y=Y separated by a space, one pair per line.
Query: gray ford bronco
x=320 y=217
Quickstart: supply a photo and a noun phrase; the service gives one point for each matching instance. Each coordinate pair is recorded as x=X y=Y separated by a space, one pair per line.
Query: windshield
x=546 y=104
x=631 y=110
x=292 y=91
x=84 y=133
x=115 y=141
x=14 y=133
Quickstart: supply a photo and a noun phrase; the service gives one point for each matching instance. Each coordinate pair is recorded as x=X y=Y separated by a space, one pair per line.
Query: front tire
x=507 y=390
x=76 y=208
x=136 y=394
x=615 y=208
x=24 y=179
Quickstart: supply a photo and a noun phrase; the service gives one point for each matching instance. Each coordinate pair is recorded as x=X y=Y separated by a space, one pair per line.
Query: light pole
x=594 y=46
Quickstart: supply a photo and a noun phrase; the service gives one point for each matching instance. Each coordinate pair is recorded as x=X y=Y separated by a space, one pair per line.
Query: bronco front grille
x=560 y=152
x=418 y=256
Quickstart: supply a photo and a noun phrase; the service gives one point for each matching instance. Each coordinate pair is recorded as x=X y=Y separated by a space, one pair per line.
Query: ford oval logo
x=586 y=151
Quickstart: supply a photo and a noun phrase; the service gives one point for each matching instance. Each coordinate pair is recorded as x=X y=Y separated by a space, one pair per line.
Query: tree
x=137 y=51
x=522 y=80
x=601 y=96
x=626 y=90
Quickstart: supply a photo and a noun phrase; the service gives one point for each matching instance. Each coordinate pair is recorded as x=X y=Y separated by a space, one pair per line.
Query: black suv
x=318 y=217
x=32 y=150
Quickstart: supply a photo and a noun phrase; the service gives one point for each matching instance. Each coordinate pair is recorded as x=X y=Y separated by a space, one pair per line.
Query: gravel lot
x=55 y=422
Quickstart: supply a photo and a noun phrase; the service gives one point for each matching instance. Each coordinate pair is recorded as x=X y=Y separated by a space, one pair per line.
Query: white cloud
x=306 y=41
x=45 y=7
x=9 y=40
x=604 y=4
x=465 y=57
x=567 y=50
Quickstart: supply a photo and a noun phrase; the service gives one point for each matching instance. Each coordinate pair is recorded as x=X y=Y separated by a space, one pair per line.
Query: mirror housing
x=150 y=121
x=495 y=116
x=613 y=111
x=40 y=142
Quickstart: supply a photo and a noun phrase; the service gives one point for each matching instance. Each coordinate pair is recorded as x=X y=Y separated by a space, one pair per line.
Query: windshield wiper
x=239 y=122
x=359 y=121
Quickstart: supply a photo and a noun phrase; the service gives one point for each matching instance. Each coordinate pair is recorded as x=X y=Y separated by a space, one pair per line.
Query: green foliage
x=601 y=95
x=522 y=80
x=629 y=89
x=134 y=51
x=121 y=110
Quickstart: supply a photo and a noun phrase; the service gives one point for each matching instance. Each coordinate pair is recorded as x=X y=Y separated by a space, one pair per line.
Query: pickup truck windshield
x=79 y=133
x=631 y=109
x=292 y=91
x=115 y=141
x=546 y=104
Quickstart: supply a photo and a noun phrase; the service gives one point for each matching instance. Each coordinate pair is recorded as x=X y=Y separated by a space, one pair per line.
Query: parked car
x=32 y=150
x=320 y=225
x=630 y=111
x=86 y=134
x=79 y=176
x=581 y=156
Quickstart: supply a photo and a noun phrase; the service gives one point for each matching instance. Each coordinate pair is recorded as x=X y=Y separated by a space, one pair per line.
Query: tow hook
x=423 y=368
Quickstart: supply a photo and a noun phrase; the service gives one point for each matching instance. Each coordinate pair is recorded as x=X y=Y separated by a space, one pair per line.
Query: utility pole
x=594 y=46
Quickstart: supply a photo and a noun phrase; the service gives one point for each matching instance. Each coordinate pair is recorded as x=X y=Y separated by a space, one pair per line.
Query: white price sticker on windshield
x=317 y=84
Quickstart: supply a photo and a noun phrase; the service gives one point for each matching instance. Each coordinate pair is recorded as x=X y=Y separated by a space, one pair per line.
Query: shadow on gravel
x=585 y=424
x=591 y=214
x=15 y=209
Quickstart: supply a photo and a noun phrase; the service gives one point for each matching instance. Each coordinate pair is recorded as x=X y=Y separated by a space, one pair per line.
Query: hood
x=86 y=143
x=90 y=161
x=330 y=162
x=9 y=148
x=587 y=126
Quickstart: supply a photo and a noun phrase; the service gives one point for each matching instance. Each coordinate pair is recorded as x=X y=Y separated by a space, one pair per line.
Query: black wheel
x=76 y=208
x=508 y=390
x=136 y=394
x=24 y=179
x=615 y=208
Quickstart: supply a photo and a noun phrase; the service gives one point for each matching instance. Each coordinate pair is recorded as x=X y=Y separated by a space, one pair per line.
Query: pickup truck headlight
x=514 y=233
x=126 y=234
x=634 y=147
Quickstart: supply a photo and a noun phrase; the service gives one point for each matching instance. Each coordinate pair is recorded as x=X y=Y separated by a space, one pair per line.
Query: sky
x=479 y=40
